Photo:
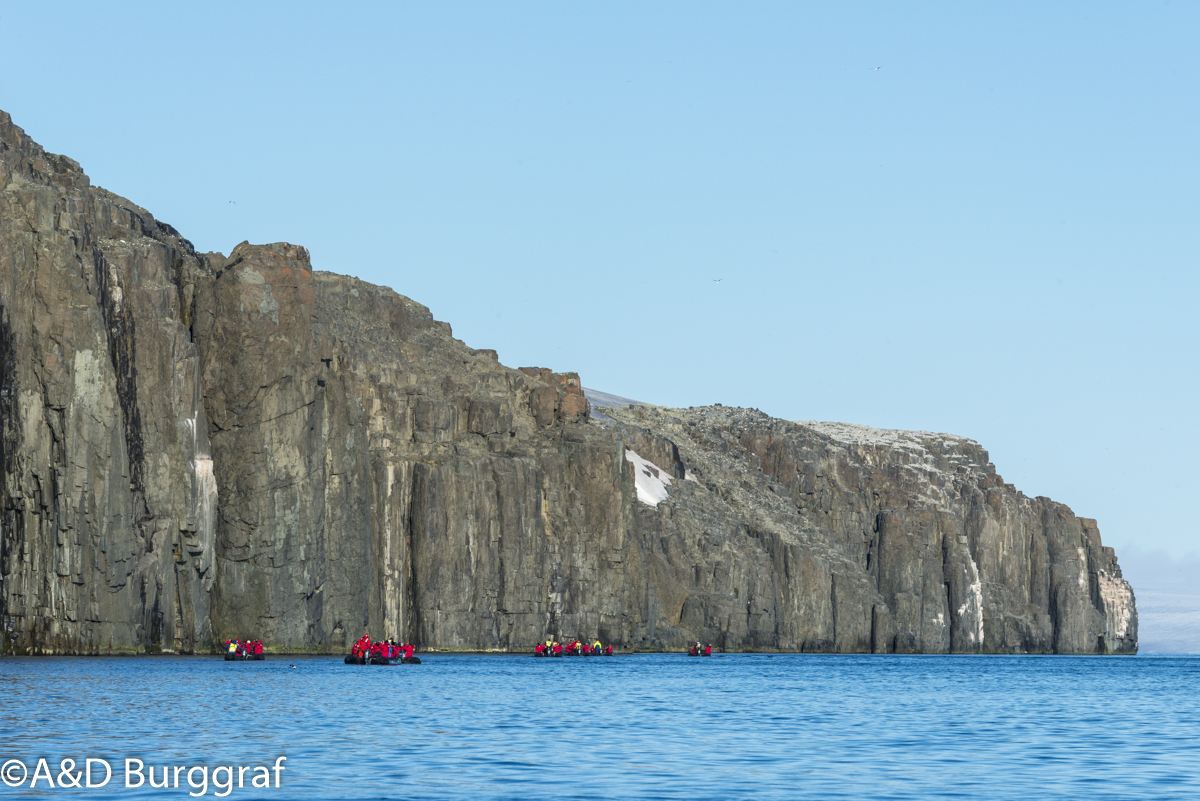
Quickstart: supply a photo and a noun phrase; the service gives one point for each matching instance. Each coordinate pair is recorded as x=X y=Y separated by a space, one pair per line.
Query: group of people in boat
x=575 y=648
x=243 y=649
x=698 y=651
x=384 y=651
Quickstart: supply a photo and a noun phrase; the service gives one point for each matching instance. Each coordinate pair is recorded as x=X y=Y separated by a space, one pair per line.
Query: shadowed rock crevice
x=196 y=447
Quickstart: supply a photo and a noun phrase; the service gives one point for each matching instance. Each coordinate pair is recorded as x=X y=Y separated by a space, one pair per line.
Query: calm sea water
x=642 y=726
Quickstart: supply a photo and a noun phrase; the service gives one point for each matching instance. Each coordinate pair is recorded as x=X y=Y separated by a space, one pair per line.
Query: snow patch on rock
x=651 y=482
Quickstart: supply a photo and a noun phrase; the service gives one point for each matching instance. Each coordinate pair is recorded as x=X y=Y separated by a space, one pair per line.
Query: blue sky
x=994 y=234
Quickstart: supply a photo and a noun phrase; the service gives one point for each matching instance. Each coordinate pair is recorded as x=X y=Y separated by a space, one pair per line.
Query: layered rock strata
x=196 y=446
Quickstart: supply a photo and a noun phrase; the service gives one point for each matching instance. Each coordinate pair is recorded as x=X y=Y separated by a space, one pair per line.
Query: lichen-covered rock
x=195 y=447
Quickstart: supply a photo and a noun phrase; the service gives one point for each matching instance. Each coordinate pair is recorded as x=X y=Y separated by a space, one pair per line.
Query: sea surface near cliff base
x=642 y=726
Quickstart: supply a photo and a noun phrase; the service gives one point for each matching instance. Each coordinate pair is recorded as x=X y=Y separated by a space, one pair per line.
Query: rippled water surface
x=642 y=726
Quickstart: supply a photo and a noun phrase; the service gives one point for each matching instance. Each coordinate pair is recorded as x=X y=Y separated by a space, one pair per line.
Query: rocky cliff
x=196 y=446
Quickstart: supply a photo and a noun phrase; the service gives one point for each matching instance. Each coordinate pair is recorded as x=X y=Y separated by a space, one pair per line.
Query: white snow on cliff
x=652 y=483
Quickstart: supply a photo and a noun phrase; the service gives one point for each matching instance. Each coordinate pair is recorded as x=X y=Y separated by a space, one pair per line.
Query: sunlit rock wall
x=106 y=493
x=195 y=447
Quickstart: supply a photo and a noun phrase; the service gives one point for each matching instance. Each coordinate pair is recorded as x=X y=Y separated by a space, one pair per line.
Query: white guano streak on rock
x=114 y=289
x=391 y=592
x=974 y=603
x=651 y=482
x=204 y=497
x=1117 y=597
x=931 y=483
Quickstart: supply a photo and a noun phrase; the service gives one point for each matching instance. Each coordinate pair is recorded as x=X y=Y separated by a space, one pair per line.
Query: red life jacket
x=408 y=651
x=257 y=647
x=708 y=650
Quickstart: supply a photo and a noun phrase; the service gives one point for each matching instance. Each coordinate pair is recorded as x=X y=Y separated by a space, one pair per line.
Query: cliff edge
x=195 y=446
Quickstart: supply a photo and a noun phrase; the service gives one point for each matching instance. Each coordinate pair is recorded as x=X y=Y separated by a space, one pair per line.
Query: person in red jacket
x=558 y=649
x=258 y=648
x=539 y=649
x=608 y=651
x=708 y=650
x=408 y=650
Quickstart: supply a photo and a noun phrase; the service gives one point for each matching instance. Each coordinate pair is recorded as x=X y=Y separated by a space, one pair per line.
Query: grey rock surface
x=197 y=446
x=107 y=493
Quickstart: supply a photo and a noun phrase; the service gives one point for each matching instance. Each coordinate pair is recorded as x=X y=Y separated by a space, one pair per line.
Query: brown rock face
x=195 y=447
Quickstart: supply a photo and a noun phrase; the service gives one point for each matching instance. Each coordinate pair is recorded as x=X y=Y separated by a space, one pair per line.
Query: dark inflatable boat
x=382 y=660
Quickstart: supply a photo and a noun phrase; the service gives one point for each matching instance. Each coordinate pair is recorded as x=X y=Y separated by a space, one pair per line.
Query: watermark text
x=93 y=774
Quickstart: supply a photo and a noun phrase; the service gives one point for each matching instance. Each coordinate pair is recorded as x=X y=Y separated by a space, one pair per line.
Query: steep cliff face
x=196 y=446
x=888 y=541
x=107 y=489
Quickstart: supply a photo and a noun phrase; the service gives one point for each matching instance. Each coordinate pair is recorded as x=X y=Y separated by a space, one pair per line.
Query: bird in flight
x=233 y=202
x=716 y=280
x=876 y=69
